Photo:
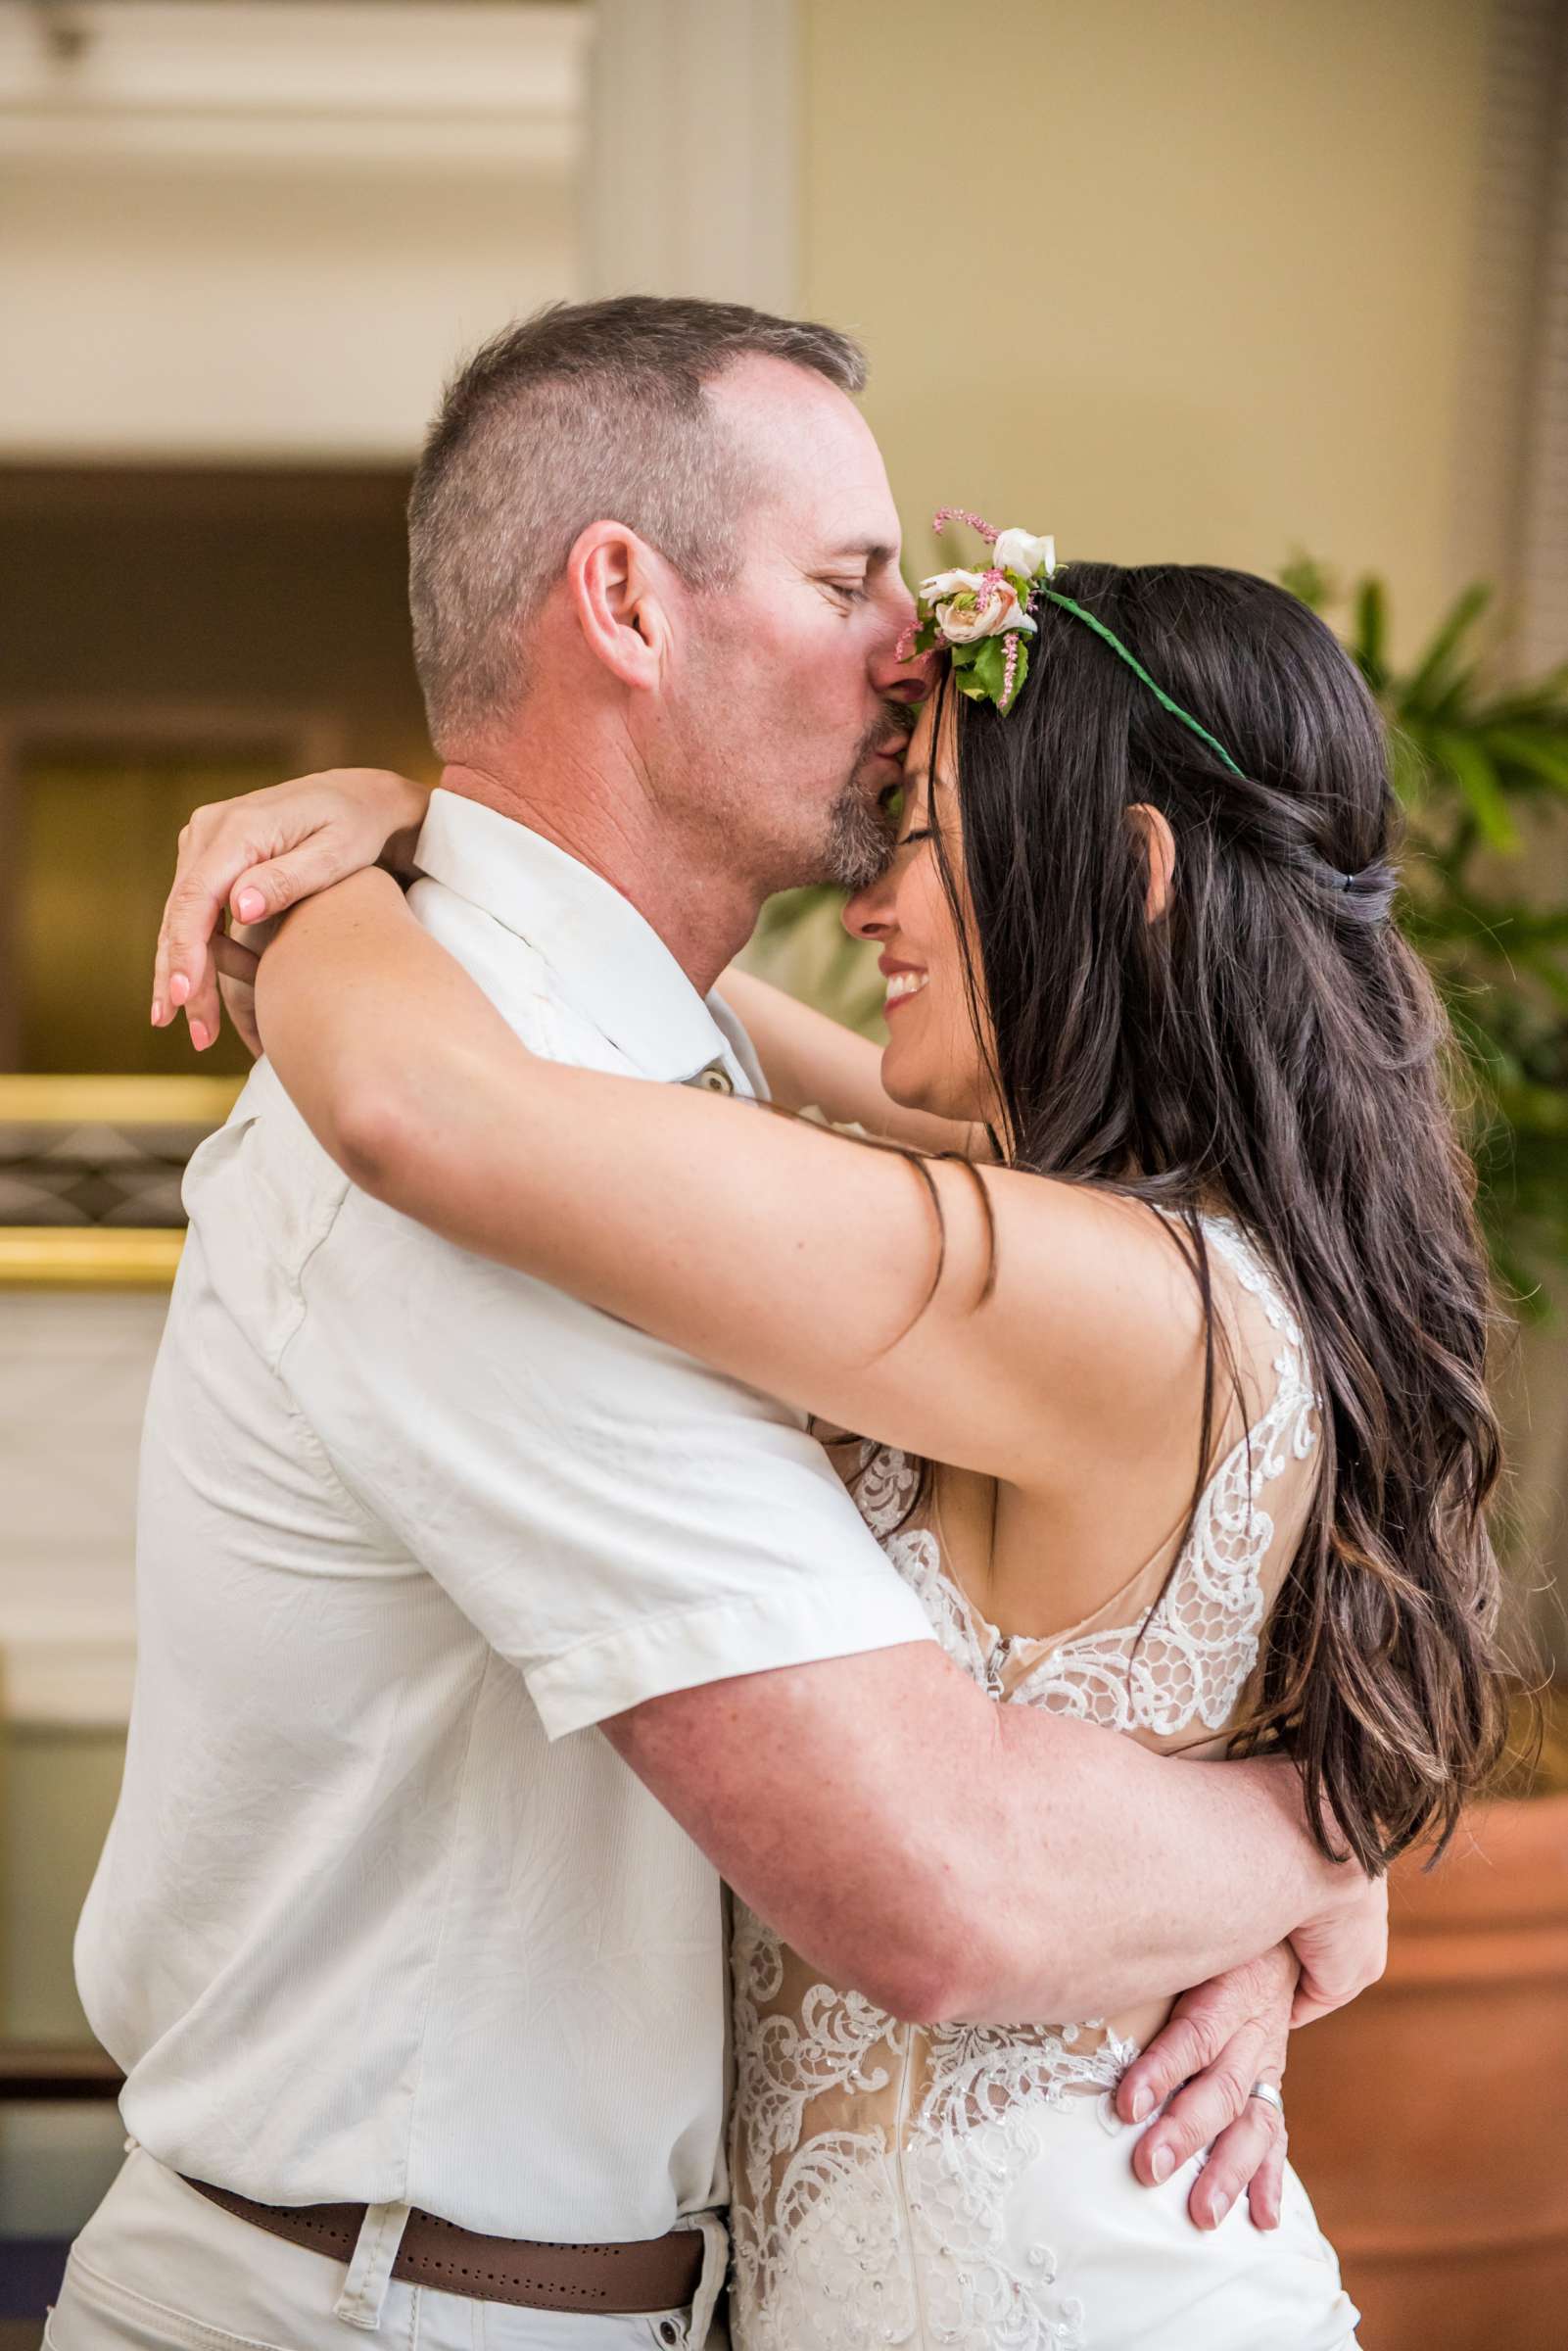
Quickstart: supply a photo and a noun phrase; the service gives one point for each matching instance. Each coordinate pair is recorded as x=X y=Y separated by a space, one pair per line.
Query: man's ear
x=1151 y=830
x=618 y=589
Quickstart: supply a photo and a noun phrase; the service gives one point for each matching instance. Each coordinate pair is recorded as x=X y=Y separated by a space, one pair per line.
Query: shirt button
x=714 y=1079
x=669 y=2331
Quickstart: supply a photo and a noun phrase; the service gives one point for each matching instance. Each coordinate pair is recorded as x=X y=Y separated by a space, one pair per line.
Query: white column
x=689 y=162
x=1512 y=526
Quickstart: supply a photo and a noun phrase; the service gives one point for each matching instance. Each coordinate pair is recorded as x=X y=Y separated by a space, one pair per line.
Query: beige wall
x=1170 y=278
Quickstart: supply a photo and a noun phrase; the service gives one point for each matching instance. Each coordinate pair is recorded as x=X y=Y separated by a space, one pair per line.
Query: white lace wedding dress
x=970 y=2186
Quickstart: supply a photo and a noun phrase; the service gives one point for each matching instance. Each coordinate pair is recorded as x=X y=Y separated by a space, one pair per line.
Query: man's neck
x=704 y=917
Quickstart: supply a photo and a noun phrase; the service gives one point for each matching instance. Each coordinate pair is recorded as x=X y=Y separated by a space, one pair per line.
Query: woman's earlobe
x=1152 y=830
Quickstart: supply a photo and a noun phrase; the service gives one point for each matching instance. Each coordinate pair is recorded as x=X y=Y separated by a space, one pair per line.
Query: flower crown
x=982 y=619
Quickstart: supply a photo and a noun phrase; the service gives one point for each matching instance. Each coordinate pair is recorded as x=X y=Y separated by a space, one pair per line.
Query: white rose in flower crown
x=947 y=582
x=1021 y=552
x=967 y=610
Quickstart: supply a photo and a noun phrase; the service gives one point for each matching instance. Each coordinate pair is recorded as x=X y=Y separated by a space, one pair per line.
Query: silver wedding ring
x=1269 y=2091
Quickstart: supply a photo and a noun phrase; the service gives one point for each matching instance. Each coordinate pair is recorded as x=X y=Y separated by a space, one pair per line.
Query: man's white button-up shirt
x=381 y=1916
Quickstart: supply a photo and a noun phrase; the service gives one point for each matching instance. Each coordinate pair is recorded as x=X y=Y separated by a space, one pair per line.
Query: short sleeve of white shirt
x=615 y=1518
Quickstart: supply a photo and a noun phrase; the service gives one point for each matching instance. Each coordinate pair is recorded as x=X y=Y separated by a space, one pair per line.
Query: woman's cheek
x=926 y=920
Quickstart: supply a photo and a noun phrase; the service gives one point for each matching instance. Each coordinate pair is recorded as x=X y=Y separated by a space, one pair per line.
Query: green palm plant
x=1481 y=768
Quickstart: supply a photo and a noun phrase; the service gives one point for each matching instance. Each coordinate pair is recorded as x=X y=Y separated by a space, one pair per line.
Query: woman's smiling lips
x=904 y=979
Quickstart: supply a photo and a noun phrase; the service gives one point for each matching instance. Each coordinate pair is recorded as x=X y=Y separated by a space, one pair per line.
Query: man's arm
x=951 y=1858
x=954 y=1858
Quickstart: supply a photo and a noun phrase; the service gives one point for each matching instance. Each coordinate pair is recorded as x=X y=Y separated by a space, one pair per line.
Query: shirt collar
x=608 y=962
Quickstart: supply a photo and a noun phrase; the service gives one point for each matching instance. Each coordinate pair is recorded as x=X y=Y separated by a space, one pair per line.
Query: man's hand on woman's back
x=953 y=1860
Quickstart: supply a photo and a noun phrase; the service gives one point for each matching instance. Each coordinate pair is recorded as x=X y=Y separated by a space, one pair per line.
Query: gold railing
x=103 y=1257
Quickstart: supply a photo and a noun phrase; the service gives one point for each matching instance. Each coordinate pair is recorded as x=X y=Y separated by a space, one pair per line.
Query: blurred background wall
x=1182 y=278
x=1194 y=280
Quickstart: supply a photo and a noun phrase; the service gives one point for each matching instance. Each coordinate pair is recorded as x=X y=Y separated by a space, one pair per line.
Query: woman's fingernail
x=1221 y=2206
x=201 y=1037
x=158 y=1013
x=179 y=988
x=249 y=905
x=1142 y=2103
x=1161 y=2165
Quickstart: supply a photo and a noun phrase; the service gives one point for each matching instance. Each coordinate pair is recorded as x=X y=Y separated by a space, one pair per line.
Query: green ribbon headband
x=1137 y=668
x=982 y=620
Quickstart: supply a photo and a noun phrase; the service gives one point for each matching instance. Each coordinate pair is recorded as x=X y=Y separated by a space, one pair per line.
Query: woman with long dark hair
x=1159 y=1318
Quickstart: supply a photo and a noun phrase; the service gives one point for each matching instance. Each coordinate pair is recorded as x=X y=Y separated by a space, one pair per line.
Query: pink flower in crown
x=970 y=604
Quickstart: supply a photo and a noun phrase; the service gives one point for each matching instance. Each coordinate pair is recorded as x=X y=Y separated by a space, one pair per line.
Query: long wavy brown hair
x=1272 y=1045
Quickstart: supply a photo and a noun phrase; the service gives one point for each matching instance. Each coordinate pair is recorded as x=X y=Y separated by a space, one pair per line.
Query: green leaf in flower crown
x=991 y=665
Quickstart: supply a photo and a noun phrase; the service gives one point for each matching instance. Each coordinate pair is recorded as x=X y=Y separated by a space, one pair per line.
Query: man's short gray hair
x=586 y=412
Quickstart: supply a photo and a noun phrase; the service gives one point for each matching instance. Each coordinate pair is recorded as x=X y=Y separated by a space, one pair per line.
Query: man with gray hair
x=481 y=1636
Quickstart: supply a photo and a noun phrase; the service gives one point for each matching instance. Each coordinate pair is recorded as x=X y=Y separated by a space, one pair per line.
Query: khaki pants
x=159 y=2268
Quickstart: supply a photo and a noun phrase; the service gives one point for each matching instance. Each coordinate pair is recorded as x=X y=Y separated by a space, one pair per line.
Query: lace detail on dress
x=875 y=2162
x=851 y=2237
x=919 y=1561
x=883 y=1486
x=1188 y=1660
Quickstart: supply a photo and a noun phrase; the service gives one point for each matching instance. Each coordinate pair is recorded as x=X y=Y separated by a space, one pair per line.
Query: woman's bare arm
x=801 y=1262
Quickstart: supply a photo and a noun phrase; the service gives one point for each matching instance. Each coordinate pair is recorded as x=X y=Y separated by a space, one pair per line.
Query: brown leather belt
x=660 y=2274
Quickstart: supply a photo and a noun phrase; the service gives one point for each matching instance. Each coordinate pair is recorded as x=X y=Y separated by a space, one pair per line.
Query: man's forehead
x=818 y=453
x=836 y=520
